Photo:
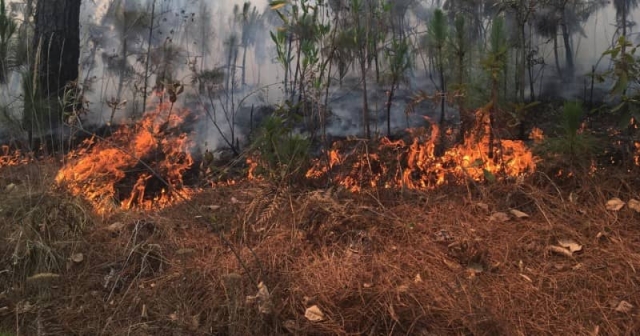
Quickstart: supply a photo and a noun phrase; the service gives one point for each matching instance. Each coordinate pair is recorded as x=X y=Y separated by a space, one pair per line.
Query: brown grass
x=377 y=263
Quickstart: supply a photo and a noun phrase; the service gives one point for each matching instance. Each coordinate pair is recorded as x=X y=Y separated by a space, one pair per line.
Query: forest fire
x=396 y=164
x=139 y=166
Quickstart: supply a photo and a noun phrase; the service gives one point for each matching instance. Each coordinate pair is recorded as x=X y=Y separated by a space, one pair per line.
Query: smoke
x=190 y=35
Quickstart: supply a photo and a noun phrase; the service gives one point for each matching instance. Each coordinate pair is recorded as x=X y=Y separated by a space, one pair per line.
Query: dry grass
x=384 y=263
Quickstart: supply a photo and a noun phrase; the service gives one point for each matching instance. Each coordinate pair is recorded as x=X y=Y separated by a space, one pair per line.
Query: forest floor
x=253 y=259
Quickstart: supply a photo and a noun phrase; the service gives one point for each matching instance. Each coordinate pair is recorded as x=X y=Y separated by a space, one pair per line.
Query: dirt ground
x=255 y=259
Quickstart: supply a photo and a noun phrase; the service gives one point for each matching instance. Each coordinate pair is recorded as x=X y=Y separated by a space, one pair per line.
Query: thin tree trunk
x=365 y=100
x=148 y=61
x=389 y=102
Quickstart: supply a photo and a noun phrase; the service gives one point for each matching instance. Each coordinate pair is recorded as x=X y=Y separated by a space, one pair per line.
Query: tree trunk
x=365 y=101
x=57 y=39
x=56 y=52
x=568 y=53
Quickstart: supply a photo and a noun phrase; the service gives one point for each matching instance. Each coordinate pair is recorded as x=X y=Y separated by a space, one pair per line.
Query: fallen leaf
x=499 y=217
x=10 y=187
x=367 y=285
x=615 y=204
x=570 y=244
x=560 y=250
x=77 y=258
x=185 y=251
x=624 y=307
x=483 y=206
x=115 y=227
x=314 y=314
x=213 y=207
x=451 y=265
x=43 y=277
x=4 y=311
x=417 y=279
x=519 y=214
x=634 y=205
x=234 y=200
x=526 y=277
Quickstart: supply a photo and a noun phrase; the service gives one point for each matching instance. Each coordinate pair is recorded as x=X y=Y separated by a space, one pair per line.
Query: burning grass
x=415 y=165
x=139 y=166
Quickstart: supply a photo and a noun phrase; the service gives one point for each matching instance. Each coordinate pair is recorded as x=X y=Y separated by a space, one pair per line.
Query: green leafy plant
x=282 y=154
x=399 y=62
x=494 y=64
x=573 y=145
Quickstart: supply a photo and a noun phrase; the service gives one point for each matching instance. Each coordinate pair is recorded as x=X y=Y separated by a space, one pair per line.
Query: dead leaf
x=526 y=277
x=483 y=206
x=115 y=227
x=570 y=244
x=185 y=251
x=212 y=207
x=634 y=205
x=476 y=268
x=43 y=277
x=234 y=200
x=624 y=307
x=77 y=258
x=615 y=204
x=560 y=250
x=314 y=314
x=499 y=217
x=4 y=311
x=417 y=279
x=367 y=285
x=519 y=214
x=10 y=187
x=451 y=265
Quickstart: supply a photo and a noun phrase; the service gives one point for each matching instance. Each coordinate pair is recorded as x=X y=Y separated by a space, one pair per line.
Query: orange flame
x=415 y=166
x=12 y=158
x=110 y=173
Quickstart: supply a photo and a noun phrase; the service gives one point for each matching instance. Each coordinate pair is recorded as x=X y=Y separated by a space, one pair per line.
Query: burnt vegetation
x=340 y=167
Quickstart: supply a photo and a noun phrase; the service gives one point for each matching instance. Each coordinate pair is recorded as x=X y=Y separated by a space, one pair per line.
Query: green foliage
x=282 y=154
x=626 y=69
x=572 y=145
x=496 y=58
x=438 y=30
x=399 y=59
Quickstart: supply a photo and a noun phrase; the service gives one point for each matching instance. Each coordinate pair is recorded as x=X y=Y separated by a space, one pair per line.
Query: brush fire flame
x=12 y=158
x=396 y=164
x=110 y=173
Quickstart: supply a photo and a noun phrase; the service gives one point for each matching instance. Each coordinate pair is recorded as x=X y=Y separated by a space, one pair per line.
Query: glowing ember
x=395 y=164
x=110 y=173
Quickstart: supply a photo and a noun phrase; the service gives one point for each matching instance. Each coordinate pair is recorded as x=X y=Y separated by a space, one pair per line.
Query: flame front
x=396 y=164
x=115 y=172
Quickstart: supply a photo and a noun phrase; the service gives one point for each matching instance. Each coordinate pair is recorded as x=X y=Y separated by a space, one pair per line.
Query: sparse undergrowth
x=447 y=262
